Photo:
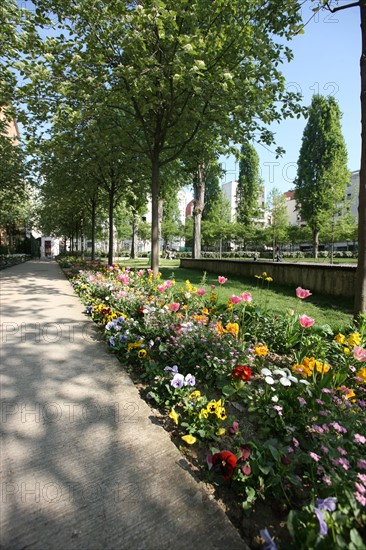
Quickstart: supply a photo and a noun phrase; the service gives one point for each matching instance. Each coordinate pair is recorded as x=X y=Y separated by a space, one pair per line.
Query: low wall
x=336 y=280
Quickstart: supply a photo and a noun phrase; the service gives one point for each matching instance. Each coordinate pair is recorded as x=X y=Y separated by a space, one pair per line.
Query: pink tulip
x=359 y=353
x=213 y=287
x=201 y=291
x=246 y=297
x=302 y=293
x=306 y=321
x=174 y=306
x=222 y=280
x=161 y=288
x=168 y=283
x=235 y=299
x=124 y=279
x=140 y=272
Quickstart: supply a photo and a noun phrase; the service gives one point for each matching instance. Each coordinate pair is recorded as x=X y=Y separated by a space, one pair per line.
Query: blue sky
x=326 y=61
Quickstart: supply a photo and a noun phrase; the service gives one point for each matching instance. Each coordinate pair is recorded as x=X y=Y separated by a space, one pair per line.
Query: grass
x=332 y=310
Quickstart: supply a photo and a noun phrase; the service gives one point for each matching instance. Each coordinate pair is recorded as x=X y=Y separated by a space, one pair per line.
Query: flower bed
x=8 y=260
x=270 y=410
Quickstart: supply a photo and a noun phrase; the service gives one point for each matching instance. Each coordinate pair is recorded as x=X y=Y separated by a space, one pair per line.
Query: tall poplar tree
x=249 y=183
x=322 y=175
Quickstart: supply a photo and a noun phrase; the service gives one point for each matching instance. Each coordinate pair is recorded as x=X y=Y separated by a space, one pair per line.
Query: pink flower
x=246 y=297
x=306 y=321
x=123 y=278
x=361 y=499
x=302 y=293
x=201 y=291
x=360 y=488
x=246 y=469
x=140 y=272
x=161 y=288
x=314 y=456
x=168 y=283
x=122 y=293
x=222 y=280
x=212 y=287
x=174 y=306
x=235 y=299
x=360 y=439
x=359 y=353
x=234 y=428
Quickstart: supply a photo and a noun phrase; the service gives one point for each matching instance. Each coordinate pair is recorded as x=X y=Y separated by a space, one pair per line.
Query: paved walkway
x=83 y=464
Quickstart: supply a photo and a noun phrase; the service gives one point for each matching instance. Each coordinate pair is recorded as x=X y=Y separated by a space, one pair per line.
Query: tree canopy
x=180 y=72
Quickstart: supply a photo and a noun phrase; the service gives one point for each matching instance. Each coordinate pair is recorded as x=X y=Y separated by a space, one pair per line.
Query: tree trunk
x=360 y=286
x=93 y=216
x=82 y=237
x=199 y=203
x=110 y=221
x=315 y=242
x=135 y=228
x=155 y=237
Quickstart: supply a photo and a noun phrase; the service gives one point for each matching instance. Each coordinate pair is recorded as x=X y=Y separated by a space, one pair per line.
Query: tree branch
x=339 y=8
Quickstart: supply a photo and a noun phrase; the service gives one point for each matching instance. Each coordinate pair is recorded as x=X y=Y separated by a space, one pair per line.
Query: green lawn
x=332 y=310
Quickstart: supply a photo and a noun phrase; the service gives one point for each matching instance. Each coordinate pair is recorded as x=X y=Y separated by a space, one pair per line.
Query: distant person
x=278 y=255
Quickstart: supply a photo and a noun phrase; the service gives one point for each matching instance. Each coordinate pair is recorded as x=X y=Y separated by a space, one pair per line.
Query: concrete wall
x=325 y=279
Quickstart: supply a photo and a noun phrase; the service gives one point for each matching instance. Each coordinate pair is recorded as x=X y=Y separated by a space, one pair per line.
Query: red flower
x=224 y=464
x=242 y=372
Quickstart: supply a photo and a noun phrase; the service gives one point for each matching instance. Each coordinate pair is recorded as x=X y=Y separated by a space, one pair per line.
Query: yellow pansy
x=221 y=431
x=221 y=413
x=174 y=416
x=232 y=328
x=203 y=413
x=133 y=345
x=340 y=338
x=354 y=339
x=212 y=406
x=362 y=374
x=196 y=394
x=142 y=353
x=261 y=350
x=190 y=439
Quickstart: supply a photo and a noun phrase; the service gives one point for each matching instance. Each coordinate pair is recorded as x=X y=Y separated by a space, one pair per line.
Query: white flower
x=266 y=372
x=275 y=399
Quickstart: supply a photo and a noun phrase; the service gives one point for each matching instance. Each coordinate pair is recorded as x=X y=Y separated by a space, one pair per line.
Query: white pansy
x=275 y=399
x=266 y=372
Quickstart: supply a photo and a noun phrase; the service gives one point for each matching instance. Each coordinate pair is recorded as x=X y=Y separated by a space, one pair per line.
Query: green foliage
x=322 y=175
